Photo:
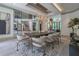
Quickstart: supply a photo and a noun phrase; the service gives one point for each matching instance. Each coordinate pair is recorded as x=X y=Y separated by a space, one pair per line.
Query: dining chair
x=50 y=36
x=56 y=37
x=49 y=43
x=21 y=39
x=40 y=44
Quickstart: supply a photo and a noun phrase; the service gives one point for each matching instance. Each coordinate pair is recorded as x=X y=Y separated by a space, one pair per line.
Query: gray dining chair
x=21 y=39
x=40 y=44
x=55 y=37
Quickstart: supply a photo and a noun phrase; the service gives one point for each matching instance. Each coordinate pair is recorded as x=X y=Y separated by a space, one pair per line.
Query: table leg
x=17 y=46
x=31 y=46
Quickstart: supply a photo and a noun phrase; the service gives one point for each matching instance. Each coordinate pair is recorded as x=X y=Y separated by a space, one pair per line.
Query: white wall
x=65 y=20
x=44 y=25
x=10 y=11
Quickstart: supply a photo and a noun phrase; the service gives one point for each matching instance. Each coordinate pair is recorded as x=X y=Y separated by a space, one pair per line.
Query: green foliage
x=73 y=22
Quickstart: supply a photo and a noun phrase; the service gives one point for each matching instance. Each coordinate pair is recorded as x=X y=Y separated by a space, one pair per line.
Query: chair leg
x=44 y=53
x=17 y=46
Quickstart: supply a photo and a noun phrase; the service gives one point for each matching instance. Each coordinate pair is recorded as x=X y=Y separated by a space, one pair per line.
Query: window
x=4 y=23
x=55 y=23
x=22 y=15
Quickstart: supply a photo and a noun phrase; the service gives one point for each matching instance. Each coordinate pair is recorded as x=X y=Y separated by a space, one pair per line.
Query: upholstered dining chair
x=21 y=38
x=50 y=36
x=55 y=37
x=39 y=43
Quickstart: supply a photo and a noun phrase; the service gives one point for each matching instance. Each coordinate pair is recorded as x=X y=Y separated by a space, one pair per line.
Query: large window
x=21 y=19
x=55 y=23
x=22 y=15
x=36 y=25
x=4 y=23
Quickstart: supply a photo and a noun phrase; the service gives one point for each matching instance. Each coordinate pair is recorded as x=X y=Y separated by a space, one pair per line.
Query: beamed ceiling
x=45 y=8
x=50 y=8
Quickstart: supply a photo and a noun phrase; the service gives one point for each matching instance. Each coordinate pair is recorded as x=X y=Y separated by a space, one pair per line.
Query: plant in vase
x=73 y=22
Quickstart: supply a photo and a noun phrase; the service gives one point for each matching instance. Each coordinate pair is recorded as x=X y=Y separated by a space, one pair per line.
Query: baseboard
x=7 y=38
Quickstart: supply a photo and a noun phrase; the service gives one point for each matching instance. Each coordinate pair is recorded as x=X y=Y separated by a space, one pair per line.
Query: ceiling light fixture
x=58 y=7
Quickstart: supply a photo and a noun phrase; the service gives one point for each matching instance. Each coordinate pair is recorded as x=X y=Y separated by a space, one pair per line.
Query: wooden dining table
x=38 y=34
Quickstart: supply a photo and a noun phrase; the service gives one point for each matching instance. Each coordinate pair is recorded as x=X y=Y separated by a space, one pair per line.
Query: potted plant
x=73 y=22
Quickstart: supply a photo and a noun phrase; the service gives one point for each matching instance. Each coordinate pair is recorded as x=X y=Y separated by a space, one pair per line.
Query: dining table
x=37 y=35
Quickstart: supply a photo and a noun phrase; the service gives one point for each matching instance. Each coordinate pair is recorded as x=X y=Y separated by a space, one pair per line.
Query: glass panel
x=56 y=23
x=4 y=23
x=22 y=15
x=34 y=26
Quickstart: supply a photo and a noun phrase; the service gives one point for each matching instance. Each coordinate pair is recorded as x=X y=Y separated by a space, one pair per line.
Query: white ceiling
x=50 y=8
x=66 y=8
x=22 y=7
x=69 y=7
